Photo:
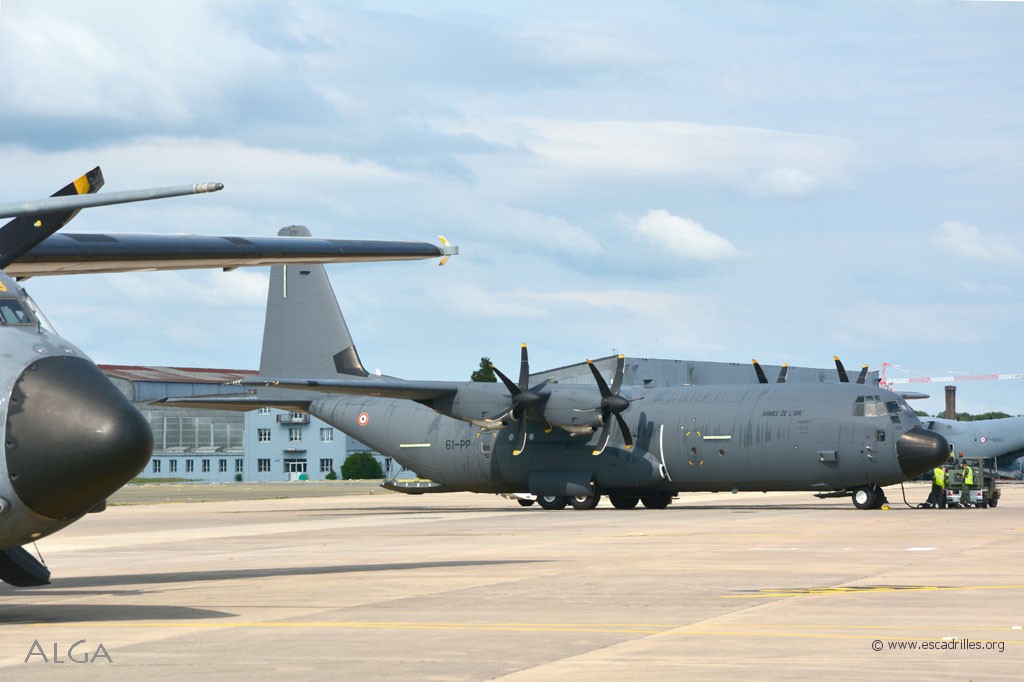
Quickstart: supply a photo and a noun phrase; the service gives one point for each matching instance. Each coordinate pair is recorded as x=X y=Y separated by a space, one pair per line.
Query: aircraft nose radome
x=72 y=437
x=920 y=450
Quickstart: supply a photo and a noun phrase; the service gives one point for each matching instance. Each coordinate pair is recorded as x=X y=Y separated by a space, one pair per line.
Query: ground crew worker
x=938 y=494
x=968 y=478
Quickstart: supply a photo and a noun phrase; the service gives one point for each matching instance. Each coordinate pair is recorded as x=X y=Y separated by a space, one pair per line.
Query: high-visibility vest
x=940 y=476
x=968 y=476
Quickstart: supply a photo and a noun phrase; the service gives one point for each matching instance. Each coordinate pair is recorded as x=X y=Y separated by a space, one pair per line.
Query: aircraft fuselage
x=694 y=438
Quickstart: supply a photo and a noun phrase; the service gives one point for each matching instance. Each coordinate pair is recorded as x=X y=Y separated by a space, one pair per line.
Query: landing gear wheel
x=624 y=501
x=552 y=501
x=993 y=503
x=525 y=503
x=865 y=498
x=584 y=502
x=657 y=500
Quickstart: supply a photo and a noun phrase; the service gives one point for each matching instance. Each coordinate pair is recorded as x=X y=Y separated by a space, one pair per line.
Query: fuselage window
x=13 y=312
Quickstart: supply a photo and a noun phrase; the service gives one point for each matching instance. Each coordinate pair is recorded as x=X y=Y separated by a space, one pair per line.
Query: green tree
x=967 y=417
x=361 y=465
x=485 y=373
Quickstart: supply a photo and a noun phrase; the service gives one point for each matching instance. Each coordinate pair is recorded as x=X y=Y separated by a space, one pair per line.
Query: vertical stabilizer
x=305 y=335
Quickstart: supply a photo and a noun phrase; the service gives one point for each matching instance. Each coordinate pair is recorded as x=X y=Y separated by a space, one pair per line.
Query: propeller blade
x=843 y=378
x=512 y=388
x=761 y=378
x=606 y=435
x=602 y=385
x=863 y=374
x=520 y=439
x=624 y=428
x=620 y=371
x=524 y=369
x=783 y=373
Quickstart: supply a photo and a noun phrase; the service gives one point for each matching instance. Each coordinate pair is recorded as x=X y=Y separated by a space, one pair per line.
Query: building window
x=206 y=466
x=326 y=465
x=294 y=434
x=188 y=466
x=264 y=410
x=263 y=465
x=173 y=468
x=222 y=466
x=327 y=435
x=156 y=466
x=239 y=466
x=263 y=435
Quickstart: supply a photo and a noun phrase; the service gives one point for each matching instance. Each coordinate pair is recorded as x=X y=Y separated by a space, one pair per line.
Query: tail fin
x=305 y=335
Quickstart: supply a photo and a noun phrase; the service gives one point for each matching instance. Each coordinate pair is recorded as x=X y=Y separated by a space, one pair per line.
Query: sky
x=701 y=181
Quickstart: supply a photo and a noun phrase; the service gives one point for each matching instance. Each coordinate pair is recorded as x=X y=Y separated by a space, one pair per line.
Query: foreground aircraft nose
x=72 y=437
x=920 y=450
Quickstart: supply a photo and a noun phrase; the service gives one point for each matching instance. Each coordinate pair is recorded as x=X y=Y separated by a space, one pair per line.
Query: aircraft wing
x=238 y=403
x=378 y=388
x=67 y=254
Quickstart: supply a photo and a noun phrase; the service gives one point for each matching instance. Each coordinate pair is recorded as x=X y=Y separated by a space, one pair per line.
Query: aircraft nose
x=920 y=450
x=72 y=437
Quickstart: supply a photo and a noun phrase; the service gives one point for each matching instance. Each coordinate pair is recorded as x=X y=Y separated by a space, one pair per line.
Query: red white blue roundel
x=363 y=419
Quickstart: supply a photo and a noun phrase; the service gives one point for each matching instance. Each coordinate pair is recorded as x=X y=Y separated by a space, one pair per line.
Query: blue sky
x=785 y=181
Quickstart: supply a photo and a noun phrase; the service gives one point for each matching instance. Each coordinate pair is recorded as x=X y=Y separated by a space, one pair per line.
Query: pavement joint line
x=866 y=589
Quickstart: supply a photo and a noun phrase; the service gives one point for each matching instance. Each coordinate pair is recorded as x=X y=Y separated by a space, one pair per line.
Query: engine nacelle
x=576 y=409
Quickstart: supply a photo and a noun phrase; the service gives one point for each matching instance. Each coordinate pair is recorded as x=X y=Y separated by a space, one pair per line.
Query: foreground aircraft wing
x=383 y=388
x=68 y=254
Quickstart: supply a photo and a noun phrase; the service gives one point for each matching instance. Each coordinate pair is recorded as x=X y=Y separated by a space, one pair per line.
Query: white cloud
x=785 y=182
x=758 y=162
x=966 y=241
x=683 y=237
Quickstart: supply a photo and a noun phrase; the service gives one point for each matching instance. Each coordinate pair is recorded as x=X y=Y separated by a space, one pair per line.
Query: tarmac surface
x=475 y=587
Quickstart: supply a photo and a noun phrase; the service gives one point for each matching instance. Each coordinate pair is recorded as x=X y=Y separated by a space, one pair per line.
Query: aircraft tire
x=993 y=503
x=552 y=501
x=865 y=498
x=584 y=502
x=624 y=501
x=525 y=503
x=657 y=500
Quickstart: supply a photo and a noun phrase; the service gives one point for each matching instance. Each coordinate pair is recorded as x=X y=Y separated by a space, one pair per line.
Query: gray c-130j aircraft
x=70 y=437
x=574 y=443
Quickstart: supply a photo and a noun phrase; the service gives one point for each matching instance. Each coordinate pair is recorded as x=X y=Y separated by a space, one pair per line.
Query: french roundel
x=363 y=419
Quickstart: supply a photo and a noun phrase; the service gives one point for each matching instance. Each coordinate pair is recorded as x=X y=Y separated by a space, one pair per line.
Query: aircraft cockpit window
x=893 y=407
x=13 y=312
x=869 y=406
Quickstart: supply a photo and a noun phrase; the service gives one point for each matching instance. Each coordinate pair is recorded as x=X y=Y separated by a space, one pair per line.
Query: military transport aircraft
x=70 y=437
x=574 y=443
x=1001 y=440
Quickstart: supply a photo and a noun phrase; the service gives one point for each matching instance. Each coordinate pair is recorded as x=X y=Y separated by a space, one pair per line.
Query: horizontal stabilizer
x=383 y=388
x=911 y=395
x=242 y=403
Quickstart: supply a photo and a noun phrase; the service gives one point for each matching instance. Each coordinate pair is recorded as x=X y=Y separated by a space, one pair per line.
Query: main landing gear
x=584 y=502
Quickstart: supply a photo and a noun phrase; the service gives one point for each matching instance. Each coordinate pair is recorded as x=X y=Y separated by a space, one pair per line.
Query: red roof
x=191 y=375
